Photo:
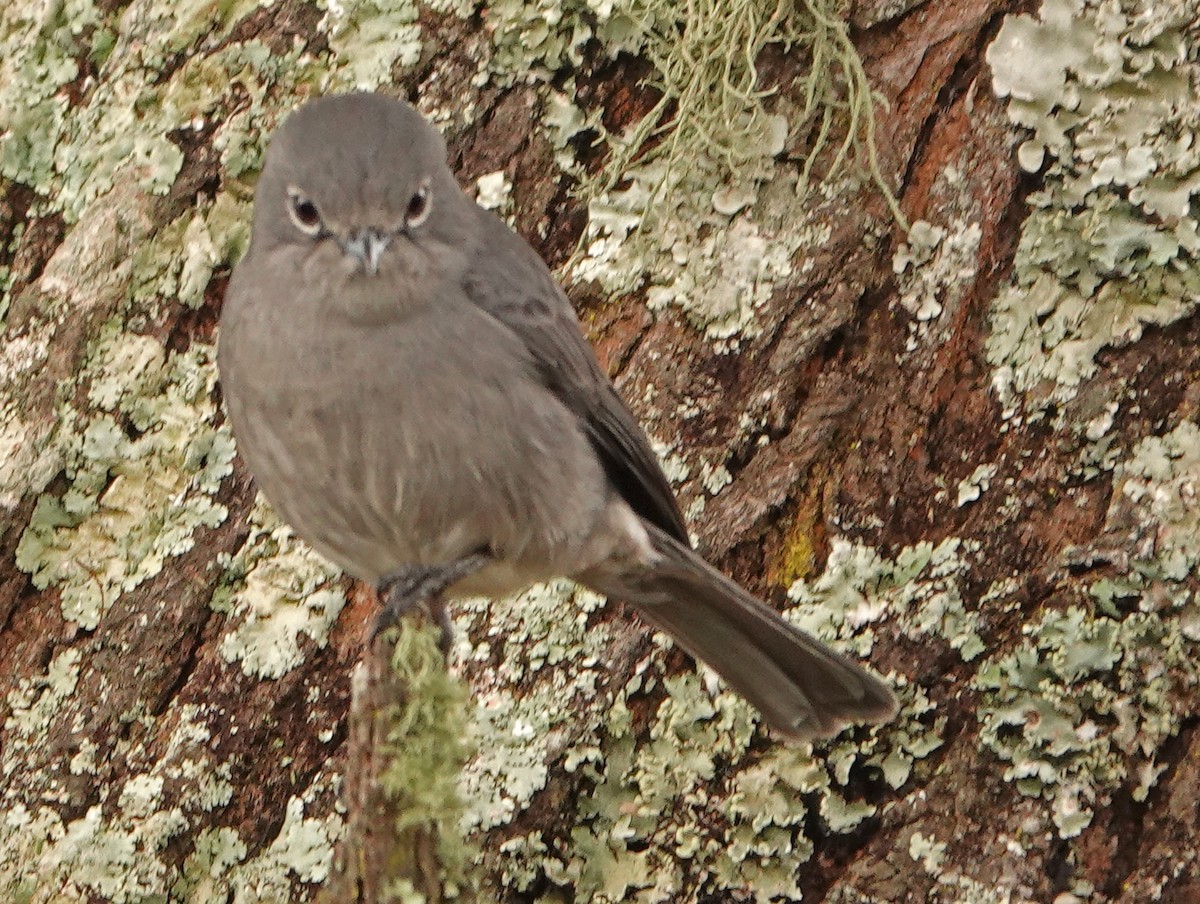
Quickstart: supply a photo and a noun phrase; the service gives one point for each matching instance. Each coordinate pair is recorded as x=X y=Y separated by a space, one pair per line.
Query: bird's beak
x=367 y=247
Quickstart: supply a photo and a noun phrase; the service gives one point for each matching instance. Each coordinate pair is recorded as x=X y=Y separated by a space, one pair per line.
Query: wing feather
x=511 y=282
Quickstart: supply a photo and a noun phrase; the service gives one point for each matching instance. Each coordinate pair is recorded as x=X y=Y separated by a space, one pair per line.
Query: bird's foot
x=410 y=586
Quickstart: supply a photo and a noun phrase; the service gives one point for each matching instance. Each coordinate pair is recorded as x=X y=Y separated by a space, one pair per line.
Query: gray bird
x=412 y=392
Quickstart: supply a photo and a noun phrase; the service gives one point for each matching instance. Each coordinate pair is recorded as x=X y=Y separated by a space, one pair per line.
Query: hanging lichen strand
x=705 y=55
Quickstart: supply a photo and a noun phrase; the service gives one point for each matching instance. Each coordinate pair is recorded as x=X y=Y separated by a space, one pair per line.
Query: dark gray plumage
x=410 y=387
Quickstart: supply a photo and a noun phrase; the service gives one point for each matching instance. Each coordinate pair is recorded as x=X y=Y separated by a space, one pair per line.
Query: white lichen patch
x=1112 y=98
x=492 y=190
x=933 y=268
x=929 y=852
x=143 y=468
x=302 y=851
x=1085 y=704
x=1161 y=482
x=277 y=590
x=33 y=107
x=557 y=661
x=88 y=273
x=640 y=825
x=975 y=484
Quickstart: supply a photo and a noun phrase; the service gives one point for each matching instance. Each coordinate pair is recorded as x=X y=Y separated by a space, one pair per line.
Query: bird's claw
x=410 y=586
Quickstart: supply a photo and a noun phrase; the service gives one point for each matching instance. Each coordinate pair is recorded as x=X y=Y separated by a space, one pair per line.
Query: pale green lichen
x=71 y=154
x=557 y=661
x=1097 y=259
x=302 y=851
x=118 y=849
x=704 y=58
x=684 y=800
x=110 y=262
x=32 y=106
x=721 y=272
x=132 y=436
x=179 y=262
x=920 y=590
x=143 y=469
x=369 y=38
x=1085 y=704
x=35 y=703
x=276 y=591
x=1111 y=95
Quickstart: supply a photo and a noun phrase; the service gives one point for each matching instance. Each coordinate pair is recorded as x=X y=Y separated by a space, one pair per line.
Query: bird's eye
x=304 y=213
x=418 y=206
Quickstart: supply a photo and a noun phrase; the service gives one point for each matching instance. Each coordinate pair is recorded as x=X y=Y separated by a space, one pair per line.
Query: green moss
x=426 y=746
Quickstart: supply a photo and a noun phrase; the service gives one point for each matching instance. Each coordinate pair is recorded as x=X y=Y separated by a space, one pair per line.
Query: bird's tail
x=803 y=688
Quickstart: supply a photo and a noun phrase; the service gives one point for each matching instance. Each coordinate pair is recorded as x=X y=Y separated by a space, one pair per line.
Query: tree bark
x=967 y=453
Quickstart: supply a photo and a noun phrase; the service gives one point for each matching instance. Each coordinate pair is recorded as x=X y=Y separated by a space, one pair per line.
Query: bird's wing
x=511 y=282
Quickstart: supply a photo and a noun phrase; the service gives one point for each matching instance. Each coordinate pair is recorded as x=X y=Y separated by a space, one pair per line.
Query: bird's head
x=356 y=188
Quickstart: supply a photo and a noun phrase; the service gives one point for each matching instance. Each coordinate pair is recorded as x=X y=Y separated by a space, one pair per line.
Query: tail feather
x=803 y=688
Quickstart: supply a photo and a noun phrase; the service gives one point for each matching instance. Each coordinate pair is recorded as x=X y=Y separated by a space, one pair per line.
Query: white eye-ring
x=419 y=206
x=304 y=213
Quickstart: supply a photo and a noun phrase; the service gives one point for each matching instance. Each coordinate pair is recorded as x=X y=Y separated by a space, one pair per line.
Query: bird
x=412 y=391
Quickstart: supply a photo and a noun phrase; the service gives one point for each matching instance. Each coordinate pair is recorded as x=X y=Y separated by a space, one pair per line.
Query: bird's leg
x=410 y=586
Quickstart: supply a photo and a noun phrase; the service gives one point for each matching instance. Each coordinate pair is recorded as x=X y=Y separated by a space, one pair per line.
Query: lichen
x=678 y=197
x=1082 y=707
x=493 y=190
x=1110 y=95
x=975 y=484
x=117 y=849
x=920 y=591
x=369 y=38
x=686 y=796
x=275 y=590
x=935 y=264
x=539 y=643
x=143 y=465
x=302 y=851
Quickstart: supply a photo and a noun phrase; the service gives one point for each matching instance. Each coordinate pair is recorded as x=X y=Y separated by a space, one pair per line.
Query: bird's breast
x=415 y=442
